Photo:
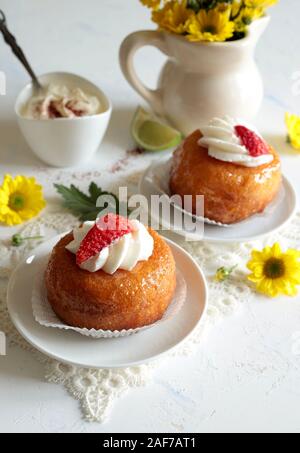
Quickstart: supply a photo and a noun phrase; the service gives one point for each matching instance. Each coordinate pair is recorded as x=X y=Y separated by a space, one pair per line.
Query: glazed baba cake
x=112 y=274
x=235 y=170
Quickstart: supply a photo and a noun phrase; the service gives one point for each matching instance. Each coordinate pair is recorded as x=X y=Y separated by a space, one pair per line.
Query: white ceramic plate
x=275 y=217
x=73 y=348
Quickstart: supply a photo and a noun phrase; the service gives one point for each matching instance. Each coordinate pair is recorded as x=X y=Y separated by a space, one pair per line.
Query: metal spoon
x=12 y=42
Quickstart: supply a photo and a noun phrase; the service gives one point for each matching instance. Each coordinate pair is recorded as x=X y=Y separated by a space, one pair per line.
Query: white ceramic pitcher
x=199 y=80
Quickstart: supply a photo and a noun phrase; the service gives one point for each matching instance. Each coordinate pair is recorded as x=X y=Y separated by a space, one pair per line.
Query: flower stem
x=17 y=240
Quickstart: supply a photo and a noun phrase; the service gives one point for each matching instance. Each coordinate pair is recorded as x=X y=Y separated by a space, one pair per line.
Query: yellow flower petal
x=260 y=3
x=154 y=4
x=276 y=250
x=293 y=126
x=173 y=16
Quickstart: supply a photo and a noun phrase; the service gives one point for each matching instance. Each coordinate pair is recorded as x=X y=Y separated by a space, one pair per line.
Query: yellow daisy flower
x=293 y=125
x=21 y=199
x=245 y=12
x=275 y=272
x=246 y=17
x=173 y=16
x=154 y=4
x=210 y=26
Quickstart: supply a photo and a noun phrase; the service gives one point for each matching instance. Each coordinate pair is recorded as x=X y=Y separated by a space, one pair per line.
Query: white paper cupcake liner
x=160 y=181
x=44 y=315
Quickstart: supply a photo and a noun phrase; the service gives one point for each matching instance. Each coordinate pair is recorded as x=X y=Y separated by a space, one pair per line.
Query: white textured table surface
x=244 y=377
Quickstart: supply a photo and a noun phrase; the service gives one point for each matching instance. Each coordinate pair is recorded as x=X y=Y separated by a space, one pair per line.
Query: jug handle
x=128 y=49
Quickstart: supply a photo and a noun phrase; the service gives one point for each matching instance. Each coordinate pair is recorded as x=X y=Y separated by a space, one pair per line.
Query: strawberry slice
x=254 y=144
x=107 y=229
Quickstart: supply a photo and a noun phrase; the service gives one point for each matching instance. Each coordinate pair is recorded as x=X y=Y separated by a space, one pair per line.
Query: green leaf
x=89 y=216
x=95 y=192
x=72 y=194
x=83 y=205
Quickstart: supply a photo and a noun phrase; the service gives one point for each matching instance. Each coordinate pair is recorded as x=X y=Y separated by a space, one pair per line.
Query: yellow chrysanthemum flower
x=244 y=12
x=154 y=4
x=21 y=199
x=293 y=126
x=246 y=17
x=275 y=272
x=173 y=16
x=211 y=26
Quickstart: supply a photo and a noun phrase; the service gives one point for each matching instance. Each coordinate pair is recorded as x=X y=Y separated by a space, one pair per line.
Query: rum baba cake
x=123 y=277
x=238 y=173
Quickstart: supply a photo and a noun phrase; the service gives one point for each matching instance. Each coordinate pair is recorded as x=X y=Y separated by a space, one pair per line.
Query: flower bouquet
x=207 y=20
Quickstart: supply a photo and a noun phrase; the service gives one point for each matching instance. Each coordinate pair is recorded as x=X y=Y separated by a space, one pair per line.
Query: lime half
x=151 y=134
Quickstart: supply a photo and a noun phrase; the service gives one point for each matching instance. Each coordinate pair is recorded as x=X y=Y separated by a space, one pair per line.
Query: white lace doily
x=98 y=389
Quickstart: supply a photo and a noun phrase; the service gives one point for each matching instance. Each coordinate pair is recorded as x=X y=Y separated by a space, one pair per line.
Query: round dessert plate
x=155 y=182
x=73 y=348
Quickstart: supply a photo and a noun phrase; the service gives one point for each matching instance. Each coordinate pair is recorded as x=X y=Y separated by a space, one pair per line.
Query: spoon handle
x=12 y=42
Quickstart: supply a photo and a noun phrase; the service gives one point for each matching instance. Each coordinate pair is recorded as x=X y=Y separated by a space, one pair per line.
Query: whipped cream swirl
x=224 y=144
x=122 y=254
x=61 y=102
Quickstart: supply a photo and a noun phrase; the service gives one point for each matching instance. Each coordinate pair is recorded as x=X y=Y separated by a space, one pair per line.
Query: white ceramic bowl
x=64 y=142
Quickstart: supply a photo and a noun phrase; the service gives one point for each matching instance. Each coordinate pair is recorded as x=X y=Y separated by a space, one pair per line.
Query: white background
x=245 y=376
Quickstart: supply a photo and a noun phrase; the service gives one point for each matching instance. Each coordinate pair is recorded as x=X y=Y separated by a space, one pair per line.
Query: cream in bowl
x=60 y=101
x=64 y=123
